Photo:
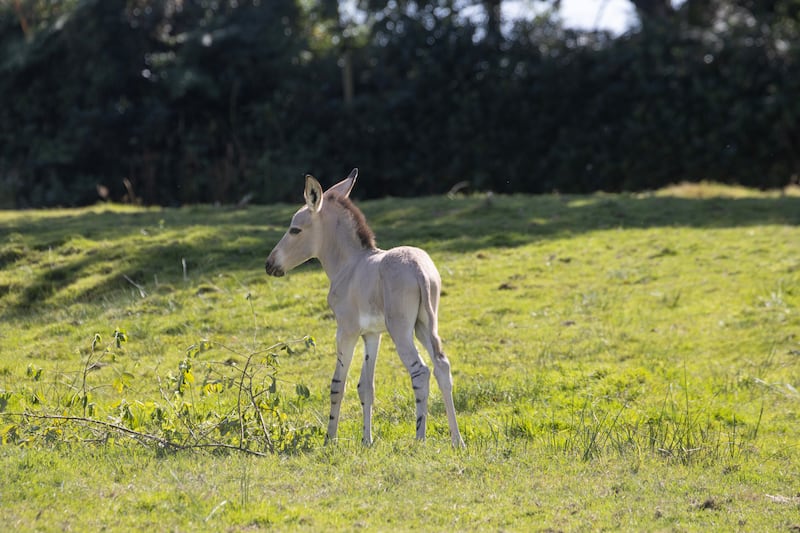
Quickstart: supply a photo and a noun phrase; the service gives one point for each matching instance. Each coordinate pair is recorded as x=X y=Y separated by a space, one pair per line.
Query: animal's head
x=303 y=239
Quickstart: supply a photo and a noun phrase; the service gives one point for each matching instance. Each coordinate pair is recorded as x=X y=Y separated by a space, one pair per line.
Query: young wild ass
x=371 y=291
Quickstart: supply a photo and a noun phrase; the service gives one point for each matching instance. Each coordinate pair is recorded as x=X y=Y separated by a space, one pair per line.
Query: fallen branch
x=138 y=435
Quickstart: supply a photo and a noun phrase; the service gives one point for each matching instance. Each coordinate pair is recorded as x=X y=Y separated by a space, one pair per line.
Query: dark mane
x=364 y=232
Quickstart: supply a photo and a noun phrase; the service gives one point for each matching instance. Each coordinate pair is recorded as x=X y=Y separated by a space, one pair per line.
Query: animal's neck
x=340 y=246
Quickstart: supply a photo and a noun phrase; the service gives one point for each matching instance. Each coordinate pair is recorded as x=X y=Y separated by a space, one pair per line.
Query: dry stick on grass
x=246 y=373
x=176 y=411
x=252 y=396
x=142 y=292
x=138 y=435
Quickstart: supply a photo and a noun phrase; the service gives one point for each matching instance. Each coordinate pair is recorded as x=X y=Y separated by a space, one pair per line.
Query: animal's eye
x=294 y=231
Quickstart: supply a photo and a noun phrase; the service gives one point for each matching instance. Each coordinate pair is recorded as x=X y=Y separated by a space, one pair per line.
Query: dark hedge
x=218 y=100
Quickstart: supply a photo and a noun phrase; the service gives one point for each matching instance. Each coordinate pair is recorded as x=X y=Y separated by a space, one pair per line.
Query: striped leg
x=419 y=372
x=366 y=385
x=345 y=345
x=441 y=370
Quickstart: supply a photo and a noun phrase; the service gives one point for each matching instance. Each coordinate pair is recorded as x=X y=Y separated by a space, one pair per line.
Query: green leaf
x=8 y=434
x=123 y=381
x=302 y=391
x=196 y=349
x=120 y=336
x=34 y=372
x=212 y=388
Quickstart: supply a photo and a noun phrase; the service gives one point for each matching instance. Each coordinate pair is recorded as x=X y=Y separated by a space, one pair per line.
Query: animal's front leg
x=345 y=344
x=366 y=385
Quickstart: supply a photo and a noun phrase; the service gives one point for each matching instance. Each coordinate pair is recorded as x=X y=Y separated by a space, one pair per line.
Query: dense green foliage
x=620 y=362
x=197 y=101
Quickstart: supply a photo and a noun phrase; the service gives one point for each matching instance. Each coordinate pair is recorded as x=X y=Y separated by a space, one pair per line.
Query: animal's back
x=409 y=264
x=411 y=285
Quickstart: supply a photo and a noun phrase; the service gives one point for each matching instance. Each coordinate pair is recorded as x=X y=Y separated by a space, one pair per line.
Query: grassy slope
x=619 y=361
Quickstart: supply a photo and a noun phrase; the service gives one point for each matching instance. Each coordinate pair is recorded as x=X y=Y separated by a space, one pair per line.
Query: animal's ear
x=344 y=187
x=313 y=194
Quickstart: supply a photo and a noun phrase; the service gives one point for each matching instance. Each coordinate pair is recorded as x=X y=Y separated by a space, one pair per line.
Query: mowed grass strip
x=620 y=361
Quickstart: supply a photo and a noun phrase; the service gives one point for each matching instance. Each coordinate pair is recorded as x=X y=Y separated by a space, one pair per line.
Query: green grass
x=620 y=362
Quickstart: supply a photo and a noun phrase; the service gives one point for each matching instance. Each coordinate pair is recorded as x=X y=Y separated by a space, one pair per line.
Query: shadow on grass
x=125 y=243
x=54 y=258
x=472 y=224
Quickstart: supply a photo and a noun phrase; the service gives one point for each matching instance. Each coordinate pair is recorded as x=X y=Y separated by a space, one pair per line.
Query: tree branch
x=138 y=434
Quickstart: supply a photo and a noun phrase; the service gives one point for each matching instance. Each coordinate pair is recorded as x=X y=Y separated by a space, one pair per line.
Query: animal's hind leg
x=441 y=370
x=419 y=372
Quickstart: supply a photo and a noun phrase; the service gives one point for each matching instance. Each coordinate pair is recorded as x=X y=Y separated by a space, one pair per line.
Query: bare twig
x=142 y=292
x=254 y=427
x=138 y=434
x=254 y=403
x=108 y=425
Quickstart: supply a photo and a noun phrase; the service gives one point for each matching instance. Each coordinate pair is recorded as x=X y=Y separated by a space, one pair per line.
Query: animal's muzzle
x=273 y=269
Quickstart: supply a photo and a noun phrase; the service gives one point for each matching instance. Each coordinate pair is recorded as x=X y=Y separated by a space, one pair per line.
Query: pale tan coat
x=372 y=291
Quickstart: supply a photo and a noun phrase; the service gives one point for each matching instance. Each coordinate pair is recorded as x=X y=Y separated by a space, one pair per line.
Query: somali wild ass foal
x=371 y=291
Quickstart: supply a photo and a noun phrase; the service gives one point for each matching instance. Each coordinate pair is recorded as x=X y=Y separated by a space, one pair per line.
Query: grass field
x=620 y=362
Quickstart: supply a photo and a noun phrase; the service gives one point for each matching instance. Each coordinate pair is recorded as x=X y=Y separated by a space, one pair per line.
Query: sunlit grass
x=620 y=361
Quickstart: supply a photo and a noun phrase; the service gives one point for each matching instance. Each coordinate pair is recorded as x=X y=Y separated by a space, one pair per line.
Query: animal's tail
x=428 y=290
